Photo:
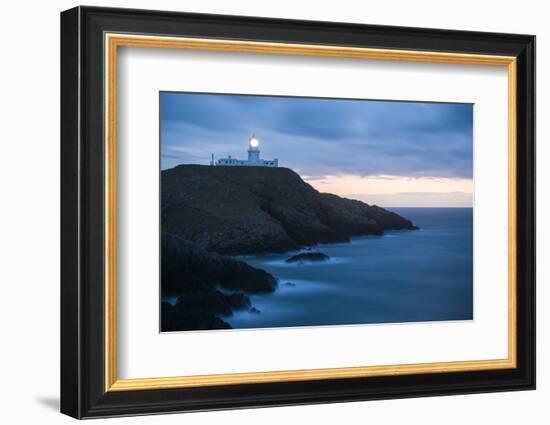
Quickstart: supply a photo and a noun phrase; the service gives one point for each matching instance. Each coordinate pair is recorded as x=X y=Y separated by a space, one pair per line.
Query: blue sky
x=369 y=150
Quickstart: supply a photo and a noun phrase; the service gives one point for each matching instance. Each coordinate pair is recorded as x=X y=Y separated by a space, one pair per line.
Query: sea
x=402 y=276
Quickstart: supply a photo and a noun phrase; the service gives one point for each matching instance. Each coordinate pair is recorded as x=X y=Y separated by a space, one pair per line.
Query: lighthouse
x=253 y=160
x=253 y=150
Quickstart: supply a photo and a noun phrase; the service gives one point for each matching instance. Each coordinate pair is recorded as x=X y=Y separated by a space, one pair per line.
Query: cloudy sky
x=385 y=153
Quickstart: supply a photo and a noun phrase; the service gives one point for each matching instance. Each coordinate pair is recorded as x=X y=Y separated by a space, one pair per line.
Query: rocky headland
x=211 y=214
x=305 y=257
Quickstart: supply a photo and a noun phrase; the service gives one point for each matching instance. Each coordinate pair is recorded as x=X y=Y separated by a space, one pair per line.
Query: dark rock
x=201 y=310
x=186 y=268
x=198 y=302
x=239 y=302
x=307 y=256
x=193 y=275
x=236 y=275
x=182 y=318
x=250 y=210
x=171 y=323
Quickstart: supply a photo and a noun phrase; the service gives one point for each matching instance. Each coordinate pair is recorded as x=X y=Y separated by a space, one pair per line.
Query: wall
x=29 y=228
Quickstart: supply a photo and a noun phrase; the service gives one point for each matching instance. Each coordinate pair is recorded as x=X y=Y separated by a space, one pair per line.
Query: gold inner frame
x=113 y=41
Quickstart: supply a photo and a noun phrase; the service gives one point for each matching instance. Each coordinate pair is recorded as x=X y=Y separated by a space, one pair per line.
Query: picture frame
x=91 y=37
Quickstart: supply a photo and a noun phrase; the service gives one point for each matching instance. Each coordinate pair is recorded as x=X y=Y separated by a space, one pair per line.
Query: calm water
x=402 y=276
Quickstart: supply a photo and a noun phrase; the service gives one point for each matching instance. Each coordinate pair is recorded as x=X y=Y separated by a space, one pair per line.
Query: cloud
x=319 y=137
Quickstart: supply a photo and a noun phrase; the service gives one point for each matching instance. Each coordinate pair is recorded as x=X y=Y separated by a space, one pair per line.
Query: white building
x=253 y=160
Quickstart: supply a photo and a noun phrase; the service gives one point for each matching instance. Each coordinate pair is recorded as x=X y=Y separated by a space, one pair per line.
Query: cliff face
x=208 y=213
x=246 y=210
x=206 y=285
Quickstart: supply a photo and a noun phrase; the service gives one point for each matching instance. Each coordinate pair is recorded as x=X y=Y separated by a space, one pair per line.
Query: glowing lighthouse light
x=254 y=143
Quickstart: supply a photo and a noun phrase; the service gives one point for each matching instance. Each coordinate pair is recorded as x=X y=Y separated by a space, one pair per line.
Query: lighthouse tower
x=254 y=150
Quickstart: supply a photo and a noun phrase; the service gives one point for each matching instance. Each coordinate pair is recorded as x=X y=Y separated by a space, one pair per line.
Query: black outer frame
x=82 y=219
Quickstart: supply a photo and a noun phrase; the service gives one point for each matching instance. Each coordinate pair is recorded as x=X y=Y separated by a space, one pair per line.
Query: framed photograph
x=261 y=212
